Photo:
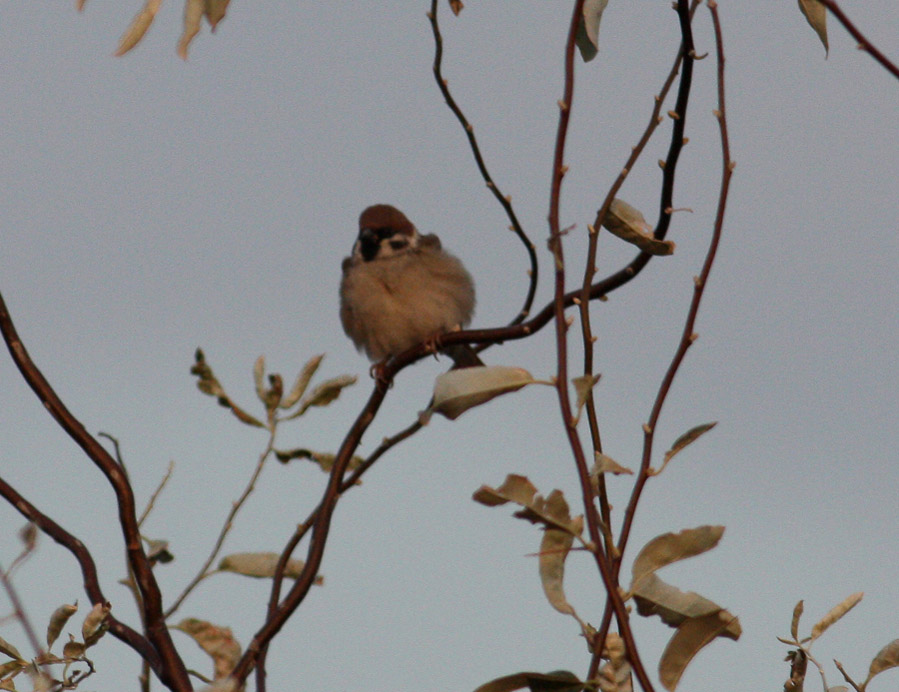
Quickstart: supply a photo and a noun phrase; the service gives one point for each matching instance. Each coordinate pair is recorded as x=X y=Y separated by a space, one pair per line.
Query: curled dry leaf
x=603 y=463
x=671 y=547
x=9 y=650
x=302 y=381
x=835 y=614
x=58 y=620
x=456 y=6
x=794 y=623
x=259 y=378
x=325 y=460
x=816 y=14
x=587 y=38
x=886 y=658
x=216 y=641
x=261 y=566
x=193 y=13
x=628 y=223
x=691 y=636
x=73 y=650
x=675 y=607
x=95 y=624
x=324 y=393
x=138 y=27
x=459 y=390
x=554 y=548
x=583 y=385
x=552 y=511
x=688 y=438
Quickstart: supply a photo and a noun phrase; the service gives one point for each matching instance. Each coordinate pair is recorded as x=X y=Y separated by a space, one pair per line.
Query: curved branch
x=863 y=43
x=173 y=671
x=118 y=629
x=505 y=201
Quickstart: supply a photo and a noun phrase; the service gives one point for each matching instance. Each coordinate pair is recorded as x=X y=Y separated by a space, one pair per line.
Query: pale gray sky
x=152 y=206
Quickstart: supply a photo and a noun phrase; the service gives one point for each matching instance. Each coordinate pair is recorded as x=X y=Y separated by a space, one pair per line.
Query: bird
x=401 y=288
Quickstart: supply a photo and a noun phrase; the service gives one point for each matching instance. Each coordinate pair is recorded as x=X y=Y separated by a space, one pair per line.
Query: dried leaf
x=552 y=511
x=302 y=381
x=58 y=620
x=628 y=223
x=554 y=550
x=193 y=13
x=206 y=382
x=459 y=390
x=138 y=27
x=456 y=6
x=10 y=650
x=10 y=667
x=325 y=393
x=588 y=29
x=886 y=658
x=73 y=650
x=654 y=597
x=28 y=535
x=261 y=566
x=835 y=614
x=215 y=11
x=517 y=489
x=794 y=624
x=687 y=438
x=259 y=378
x=671 y=547
x=583 y=385
x=158 y=551
x=325 y=460
x=216 y=641
x=557 y=681
x=95 y=625
x=606 y=464
x=816 y=14
x=690 y=637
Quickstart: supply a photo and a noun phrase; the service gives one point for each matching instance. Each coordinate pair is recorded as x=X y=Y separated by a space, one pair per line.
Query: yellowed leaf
x=302 y=381
x=215 y=11
x=138 y=27
x=886 y=658
x=261 y=565
x=671 y=547
x=193 y=14
x=554 y=548
x=95 y=625
x=794 y=624
x=459 y=390
x=602 y=463
x=627 y=223
x=689 y=639
x=816 y=14
x=58 y=620
x=217 y=642
x=835 y=613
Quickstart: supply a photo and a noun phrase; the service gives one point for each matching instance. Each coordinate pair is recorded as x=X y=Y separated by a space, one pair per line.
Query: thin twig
x=321 y=527
x=504 y=200
x=204 y=572
x=863 y=43
x=173 y=672
x=349 y=482
x=118 y=629
x=561 y=326
x=19 y=612
x=152 y=500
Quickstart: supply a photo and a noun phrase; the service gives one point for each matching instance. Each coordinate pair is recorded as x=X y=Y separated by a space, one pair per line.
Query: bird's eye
x=398 y=244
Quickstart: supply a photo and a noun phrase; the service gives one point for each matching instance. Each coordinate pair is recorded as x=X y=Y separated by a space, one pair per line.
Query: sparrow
x=400 y=288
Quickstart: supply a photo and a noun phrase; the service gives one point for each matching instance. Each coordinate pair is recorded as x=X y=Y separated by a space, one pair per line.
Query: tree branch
x=174 y=674
x=863 y=43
